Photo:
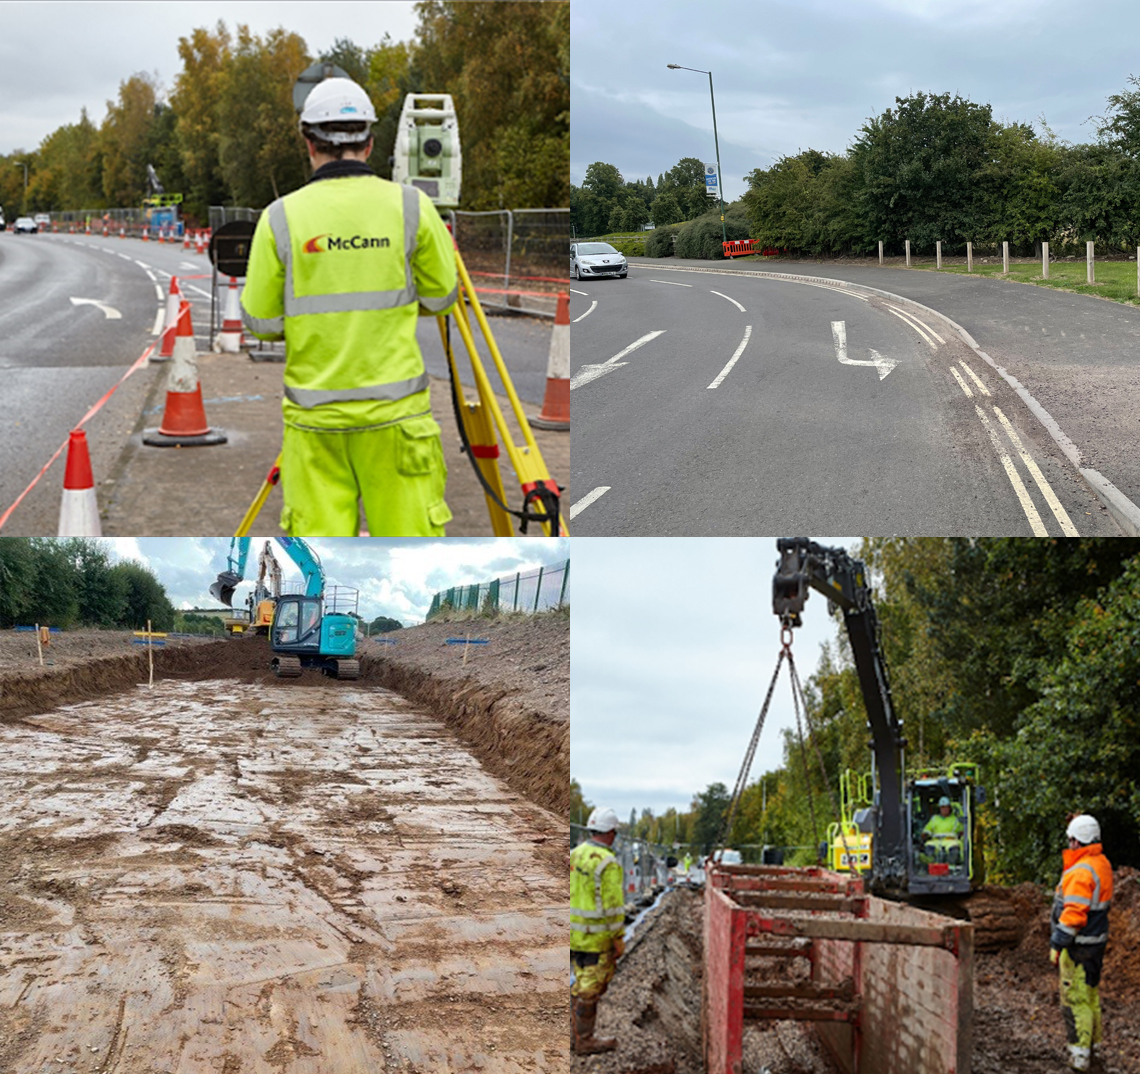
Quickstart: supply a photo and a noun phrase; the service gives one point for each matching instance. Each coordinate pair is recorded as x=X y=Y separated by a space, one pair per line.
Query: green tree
x=923 y=164
x=580 y=807
x=1120 y=126
x=197 y=91
x=710 y=807
x=382 y=624
x=125 y=137
x=145 y=597
x=260 y=149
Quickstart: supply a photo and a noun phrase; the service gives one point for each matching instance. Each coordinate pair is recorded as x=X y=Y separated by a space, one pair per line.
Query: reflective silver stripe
x=592 y=915
x=1091 y=939
x=1066 y=928
x=397 y=389
x=348 y=302
x=438 y=304
x=594 y=929
x=351 y=301
x=263 y=326
x=1078 y=899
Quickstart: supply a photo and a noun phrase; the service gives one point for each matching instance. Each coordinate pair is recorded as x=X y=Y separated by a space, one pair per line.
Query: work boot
x=1079 y=1058
x=583 y=1015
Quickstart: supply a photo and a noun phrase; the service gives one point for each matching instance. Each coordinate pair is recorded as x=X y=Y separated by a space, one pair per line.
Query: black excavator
x=905 y=861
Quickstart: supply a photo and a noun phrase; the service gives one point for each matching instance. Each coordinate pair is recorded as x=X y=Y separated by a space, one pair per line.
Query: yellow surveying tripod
x=481 y=426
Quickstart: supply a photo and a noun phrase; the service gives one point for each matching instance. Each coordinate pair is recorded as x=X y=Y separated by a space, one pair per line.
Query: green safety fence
x=530 y=591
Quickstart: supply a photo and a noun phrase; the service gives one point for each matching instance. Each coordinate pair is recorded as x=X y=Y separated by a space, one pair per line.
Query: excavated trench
x=229 y=872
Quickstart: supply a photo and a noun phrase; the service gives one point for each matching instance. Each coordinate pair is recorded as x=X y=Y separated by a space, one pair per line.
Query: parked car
x=24 y=223
x=2 y=225
x=596 y=259
x=43 y=222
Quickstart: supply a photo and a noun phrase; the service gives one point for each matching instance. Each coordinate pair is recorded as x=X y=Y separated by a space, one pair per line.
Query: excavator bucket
x=223 y=588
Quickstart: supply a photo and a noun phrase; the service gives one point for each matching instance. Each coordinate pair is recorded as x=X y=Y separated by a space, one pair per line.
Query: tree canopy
x=227 y=132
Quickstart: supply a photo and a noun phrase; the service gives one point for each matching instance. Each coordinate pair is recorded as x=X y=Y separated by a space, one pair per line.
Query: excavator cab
x=306 y=633
x=940 y=820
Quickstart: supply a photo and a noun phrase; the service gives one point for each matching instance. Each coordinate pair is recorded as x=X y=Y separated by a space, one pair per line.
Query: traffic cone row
x=78 y=511
x=184 y=418
x=230 y=337
x=555 y=412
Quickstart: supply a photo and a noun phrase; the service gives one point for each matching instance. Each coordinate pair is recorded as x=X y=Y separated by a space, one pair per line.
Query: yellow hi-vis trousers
x=591 y=981
x=397 y=471
x=1080 y=1004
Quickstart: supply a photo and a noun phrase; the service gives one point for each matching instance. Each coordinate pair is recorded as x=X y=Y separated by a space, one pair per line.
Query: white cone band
x=79 y=514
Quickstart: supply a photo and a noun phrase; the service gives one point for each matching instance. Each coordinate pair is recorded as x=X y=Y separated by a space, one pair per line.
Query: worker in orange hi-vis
x=1080 y=935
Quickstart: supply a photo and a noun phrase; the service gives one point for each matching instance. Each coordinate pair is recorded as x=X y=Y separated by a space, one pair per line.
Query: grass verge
x=1115 y=280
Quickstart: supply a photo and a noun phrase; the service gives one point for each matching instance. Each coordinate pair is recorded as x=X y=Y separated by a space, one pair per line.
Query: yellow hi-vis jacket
x=339 y=269
x=597 y=904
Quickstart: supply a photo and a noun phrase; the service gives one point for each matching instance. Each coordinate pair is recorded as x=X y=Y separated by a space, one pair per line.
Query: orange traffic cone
x=174 y=303
x=229 y=338
x=145 y=236
x=556 y=404
x=78 y=511
x=199 y=244
x=184 y=419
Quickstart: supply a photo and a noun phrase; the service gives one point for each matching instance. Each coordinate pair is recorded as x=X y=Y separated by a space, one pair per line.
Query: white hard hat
x=339 y=100
x=603 y=820
x=1084 y=829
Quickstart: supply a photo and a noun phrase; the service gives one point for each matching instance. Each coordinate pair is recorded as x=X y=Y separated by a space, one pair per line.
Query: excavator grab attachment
x=223 y=588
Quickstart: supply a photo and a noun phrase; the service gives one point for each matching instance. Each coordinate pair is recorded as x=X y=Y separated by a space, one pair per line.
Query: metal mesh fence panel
x=529 y=591
x=516 y=257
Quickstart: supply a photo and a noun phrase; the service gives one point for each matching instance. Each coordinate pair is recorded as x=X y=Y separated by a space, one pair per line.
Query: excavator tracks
x=347 y=669
x=286 y=667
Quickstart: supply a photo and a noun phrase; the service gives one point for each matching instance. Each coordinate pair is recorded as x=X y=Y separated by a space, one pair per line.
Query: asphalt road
x=59 y=358
x=750 y=405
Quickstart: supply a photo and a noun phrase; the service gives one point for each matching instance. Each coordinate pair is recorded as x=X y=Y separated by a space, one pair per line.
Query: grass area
x=630 y=243
x=1115 y=280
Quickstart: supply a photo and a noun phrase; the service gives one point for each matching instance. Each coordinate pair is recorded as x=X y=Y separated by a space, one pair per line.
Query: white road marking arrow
x=839 y=334
x=588 y=373
x=109 y=312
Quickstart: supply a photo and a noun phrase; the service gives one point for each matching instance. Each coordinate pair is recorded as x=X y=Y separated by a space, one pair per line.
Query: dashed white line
x=671 y=283
x=159 y=318
x=975 y=378
x=591 y=372
x=589 y=498
x=192 y=287
x=1059 y=512
x=593 y=306
x=1019 y=488
x=584 y=294
x=733 y=360
x=732 y=300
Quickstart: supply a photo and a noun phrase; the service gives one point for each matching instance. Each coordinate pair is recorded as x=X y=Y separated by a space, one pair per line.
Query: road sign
x=712 y=180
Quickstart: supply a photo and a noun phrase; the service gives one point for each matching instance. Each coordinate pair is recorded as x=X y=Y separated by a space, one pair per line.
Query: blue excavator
x=315 y=628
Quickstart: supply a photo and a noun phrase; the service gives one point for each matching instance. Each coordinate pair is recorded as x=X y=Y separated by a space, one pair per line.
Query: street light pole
x=716 y=140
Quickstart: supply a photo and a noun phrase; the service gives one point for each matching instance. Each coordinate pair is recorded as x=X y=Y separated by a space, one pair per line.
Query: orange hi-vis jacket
x=1082 y=899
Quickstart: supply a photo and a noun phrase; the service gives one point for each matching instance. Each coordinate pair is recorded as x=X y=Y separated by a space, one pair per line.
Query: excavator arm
x=805 y=564
x=299 y=552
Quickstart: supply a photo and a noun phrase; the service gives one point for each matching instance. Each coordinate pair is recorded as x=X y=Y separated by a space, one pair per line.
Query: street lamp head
x=673 y=66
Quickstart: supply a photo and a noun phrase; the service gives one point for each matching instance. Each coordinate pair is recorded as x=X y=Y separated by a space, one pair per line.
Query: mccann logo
x=320 y=244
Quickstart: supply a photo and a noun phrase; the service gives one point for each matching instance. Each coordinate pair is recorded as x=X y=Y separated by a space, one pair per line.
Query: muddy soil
x=225 y=876
x=233 y=873
x=653 y=1005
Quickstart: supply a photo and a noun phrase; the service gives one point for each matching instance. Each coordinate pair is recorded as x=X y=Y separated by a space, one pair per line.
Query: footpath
x=204 y=491
x=1074 y=354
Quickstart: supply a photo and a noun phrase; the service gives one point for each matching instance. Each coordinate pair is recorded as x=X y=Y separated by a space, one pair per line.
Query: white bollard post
x=1045 y=261
x=1005 y=258
x=1091 y=269
x=938 y=252
x=969 y=257
x=880 y=253
x=908 y=253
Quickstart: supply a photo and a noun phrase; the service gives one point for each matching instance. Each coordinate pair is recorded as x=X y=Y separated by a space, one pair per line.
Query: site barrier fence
x=530 y=591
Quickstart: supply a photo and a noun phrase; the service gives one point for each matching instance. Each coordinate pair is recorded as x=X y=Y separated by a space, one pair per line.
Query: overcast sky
x=798 y=74
x=56 y=58
x=674 y=643
x=396 y=576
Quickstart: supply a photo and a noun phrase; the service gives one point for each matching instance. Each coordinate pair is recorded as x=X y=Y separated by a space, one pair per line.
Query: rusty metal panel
x=724 y=983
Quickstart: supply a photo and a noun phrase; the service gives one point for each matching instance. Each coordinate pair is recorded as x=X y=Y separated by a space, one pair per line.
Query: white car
x=589 y=259
x=24 y=223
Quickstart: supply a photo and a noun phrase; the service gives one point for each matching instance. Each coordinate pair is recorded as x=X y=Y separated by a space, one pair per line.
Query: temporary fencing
x=530 y=591
x=645 y=866
x=517 y=257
